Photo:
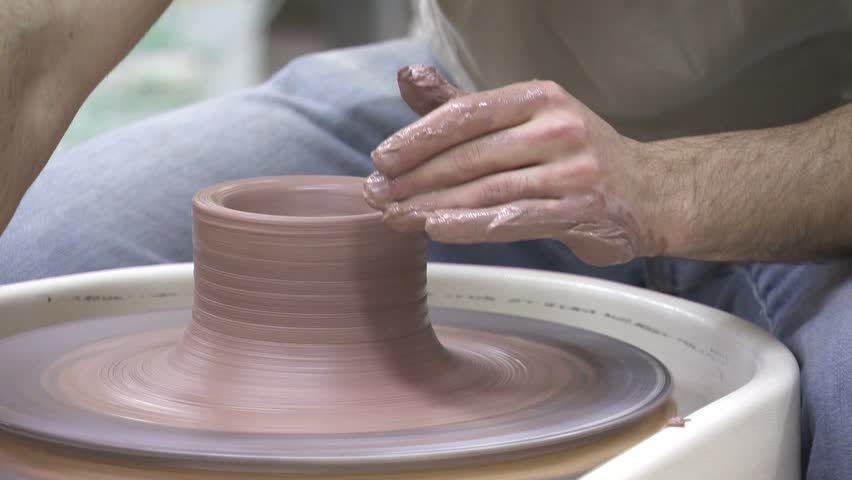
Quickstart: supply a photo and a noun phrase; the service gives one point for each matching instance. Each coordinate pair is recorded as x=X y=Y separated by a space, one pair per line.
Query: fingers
x=459 y=120
x=567 y=180
x=424 y=89
x=540 y=140
x=593 y=238
x=490 y=154
x=495 y=189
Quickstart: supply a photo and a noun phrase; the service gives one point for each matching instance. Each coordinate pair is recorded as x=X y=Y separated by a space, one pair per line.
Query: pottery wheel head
x=309 y=344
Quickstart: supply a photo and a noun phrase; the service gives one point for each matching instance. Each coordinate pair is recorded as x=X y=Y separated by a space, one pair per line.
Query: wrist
x=669 y=194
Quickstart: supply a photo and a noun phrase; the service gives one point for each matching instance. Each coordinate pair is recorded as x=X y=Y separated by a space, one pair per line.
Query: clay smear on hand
x=424 y=89
x=445 y=175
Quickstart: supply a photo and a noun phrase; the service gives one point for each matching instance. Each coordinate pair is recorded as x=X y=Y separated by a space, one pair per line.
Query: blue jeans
x=124 y=200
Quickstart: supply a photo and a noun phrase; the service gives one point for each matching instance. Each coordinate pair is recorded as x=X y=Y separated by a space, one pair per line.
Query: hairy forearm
x=54 y=53
x=779 y=194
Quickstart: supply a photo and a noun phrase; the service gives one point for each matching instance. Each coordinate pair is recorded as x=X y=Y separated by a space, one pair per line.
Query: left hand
x=527 y=161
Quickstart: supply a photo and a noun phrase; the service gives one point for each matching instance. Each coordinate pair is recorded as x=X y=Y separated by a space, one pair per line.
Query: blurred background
x=202 y=48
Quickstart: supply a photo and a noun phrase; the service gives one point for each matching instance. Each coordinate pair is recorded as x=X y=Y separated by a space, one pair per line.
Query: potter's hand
x=527 y=161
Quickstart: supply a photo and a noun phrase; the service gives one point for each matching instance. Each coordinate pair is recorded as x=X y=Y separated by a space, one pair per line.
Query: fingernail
x=384 y=156
x=377 y=189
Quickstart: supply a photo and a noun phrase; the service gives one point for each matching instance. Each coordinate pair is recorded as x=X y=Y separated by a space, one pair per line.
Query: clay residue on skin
x=598 y=232
x=570 y=195
x=424 y=89
x=483 y=112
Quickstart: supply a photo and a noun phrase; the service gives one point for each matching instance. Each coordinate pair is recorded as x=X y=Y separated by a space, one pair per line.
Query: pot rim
x=211 y=200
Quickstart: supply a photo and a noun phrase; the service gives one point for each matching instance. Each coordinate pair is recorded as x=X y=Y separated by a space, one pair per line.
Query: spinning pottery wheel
x=309 y=351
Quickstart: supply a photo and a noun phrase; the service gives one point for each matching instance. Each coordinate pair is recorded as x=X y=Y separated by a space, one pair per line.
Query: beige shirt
x=657 y=68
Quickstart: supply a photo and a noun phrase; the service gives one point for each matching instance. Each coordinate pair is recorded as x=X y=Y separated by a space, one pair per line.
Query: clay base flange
x=602 y=386
x=35 y=460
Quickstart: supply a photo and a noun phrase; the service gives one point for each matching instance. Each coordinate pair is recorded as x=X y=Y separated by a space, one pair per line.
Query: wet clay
x=314 y=323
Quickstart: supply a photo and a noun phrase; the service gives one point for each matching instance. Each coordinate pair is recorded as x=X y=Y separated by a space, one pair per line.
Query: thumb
x=424 y=89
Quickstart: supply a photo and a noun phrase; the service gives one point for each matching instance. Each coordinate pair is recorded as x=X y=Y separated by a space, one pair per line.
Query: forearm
x=779 y=194
x=54 y=53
